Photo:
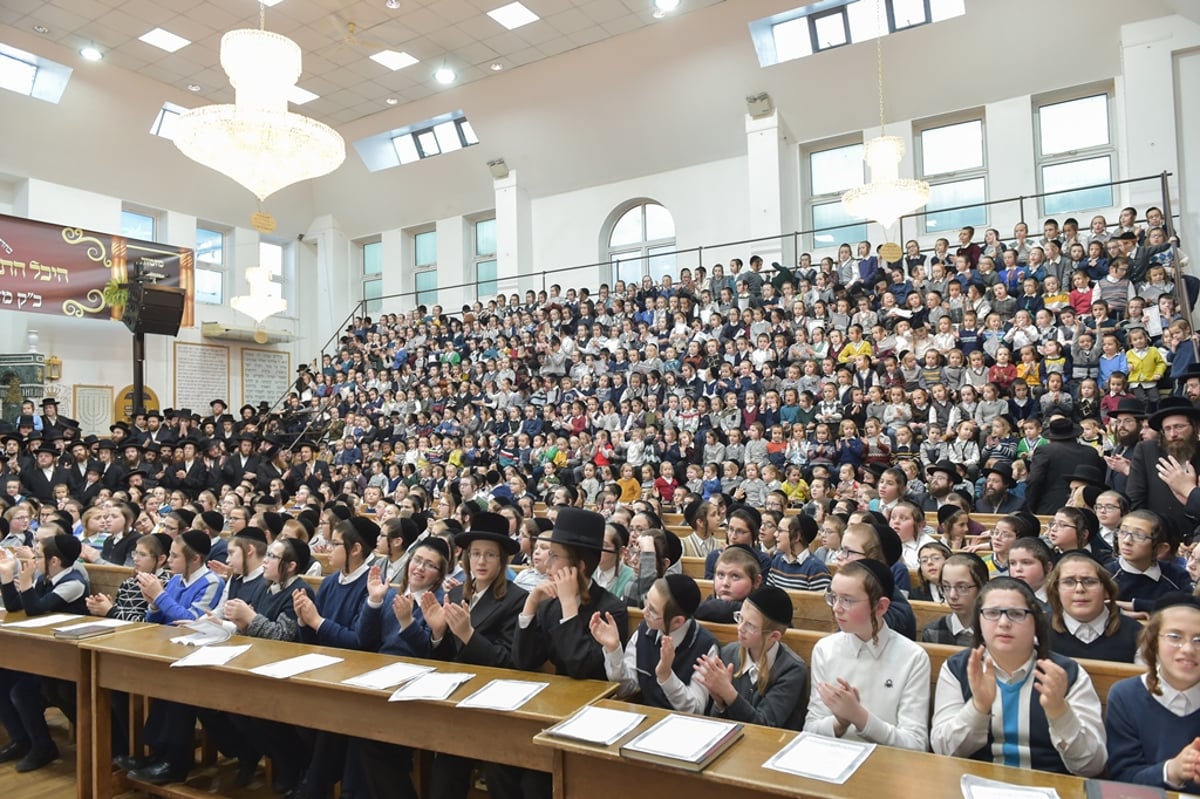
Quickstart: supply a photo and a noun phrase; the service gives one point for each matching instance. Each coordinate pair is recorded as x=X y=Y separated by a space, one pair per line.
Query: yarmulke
x=684 y=592
x=774 y=603
x=303 y=555
x=1092 y=522
x=253 y=533
x=68 y=547
x=188 y=516
x=213 y=519
x=366 y=528
x=341 y=511
x=1175 y=598
x=437 y=544
x=198 y=542
x=946 y=511
x=808 y=526
x=274 y=522
x=889 y=542
x=164 y=541
x=309 y=527
x=882 y=573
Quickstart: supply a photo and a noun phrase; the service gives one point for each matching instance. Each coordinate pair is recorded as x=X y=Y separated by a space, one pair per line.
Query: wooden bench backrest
x=106 y=579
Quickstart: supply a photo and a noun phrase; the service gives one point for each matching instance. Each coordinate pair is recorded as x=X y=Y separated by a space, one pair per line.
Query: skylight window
x=17 y=75
x=828 y=24
x=298 y=96
x=442 y=134
x=164 y=40
x=31 y=75
x=393 y=60
x=513 y=15
x=164 y=123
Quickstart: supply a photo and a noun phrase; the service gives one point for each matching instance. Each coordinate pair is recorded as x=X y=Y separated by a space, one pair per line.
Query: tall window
x=641 y=241
x=136 y=225
x=830 y=173
x=425 y=266
x=1075 y=150
x=210 y=265
x=952 y=161
x=372 y=276
x=270 y=257
x=485 y=259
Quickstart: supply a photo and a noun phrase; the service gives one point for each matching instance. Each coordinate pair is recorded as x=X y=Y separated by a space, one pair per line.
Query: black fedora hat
x=1004 y=469
x=489 y=527
x=1174 y=406
x=1063 y=429
x=575 y=527
x=1130 y=406
x=1086 y=473
x=943 y=466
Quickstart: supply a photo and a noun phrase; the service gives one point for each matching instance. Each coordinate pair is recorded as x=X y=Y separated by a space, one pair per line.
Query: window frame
x=220 y=269
x=482 y=259
x=889 y=6
x=424 y=296
x=955 y=176
x=642 y=250
x=374 y=279
x=813 y=19
x=144 y=213
x=813 y=200
x=1108 y=150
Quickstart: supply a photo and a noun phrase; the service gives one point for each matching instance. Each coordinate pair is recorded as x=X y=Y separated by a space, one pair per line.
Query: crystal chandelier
x=257 y=141
x=261 y=302
x=888 y=196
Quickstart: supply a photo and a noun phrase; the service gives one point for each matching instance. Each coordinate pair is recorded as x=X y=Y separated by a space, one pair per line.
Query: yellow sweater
x=1145 y=368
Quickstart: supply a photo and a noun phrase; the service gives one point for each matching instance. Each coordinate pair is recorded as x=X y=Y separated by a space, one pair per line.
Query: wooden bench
x=105 y=579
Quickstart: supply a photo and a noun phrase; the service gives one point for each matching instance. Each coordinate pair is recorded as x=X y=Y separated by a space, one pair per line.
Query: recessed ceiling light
x=91 y=53
x=392 y=101
x=444 y=75
x=497 y=66
x=513 y=15
x=666 y=6
x=298 y=96
x=164 y=40
x=393 y=60
x=40 y=29
x=392 y=4
x=193 y=87
x=269 y=3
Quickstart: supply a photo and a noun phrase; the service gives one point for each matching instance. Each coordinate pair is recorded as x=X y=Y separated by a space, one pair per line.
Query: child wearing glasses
x=1143 y=568
x=1010 y=700
x=869 y=683
x=1084 y=619
x=1153 y=726
x=961 y=578
x=758 y=679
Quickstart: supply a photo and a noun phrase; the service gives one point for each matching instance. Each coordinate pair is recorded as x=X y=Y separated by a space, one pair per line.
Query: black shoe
x=247 y=768
x=36 y=760
x=13 y=751
x=159 y=773
x=131 y=763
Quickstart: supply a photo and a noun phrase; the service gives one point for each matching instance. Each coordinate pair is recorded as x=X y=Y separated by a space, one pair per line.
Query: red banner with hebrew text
x=66 y=271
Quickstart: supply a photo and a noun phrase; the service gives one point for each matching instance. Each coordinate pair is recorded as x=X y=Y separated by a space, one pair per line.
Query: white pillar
x=335 y=273
x=772 y=176
x=514 y=235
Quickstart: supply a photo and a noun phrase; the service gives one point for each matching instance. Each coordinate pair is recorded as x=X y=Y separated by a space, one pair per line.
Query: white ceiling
x=337 y=67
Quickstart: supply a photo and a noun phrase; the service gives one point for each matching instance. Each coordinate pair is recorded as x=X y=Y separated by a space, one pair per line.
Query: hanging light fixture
x=887 y=196
x=256 y=141
x=261 y=302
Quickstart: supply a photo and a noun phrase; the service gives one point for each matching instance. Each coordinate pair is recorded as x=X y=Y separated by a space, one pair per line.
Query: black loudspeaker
x=154 y=309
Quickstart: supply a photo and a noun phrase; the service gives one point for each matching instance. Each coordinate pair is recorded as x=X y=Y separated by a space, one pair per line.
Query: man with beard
x=1126 y=421
x=1047 y=490
x=998 y=484
x=940 y=480
x=1162 y=473
x=77 y=471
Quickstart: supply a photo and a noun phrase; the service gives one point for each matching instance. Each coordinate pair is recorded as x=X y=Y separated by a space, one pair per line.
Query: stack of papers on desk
x=89 y=629
x=820 y=758
x=687 y=742
x=205 y=631
x=503 y=694
x=598 y=725
x=979 y=788
x=283 y=669
x=211 y=656
x=42 y=621
x=435 y=686
x=388 y=677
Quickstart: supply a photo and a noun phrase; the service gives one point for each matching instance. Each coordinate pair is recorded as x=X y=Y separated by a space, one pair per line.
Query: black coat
x=569 y=646
x=1146 y=490
x=495 y=623
x=1047 y=489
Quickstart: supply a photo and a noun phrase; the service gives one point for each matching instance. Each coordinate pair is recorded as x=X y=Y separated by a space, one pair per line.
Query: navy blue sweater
x=340 y=606
x=1143 y=735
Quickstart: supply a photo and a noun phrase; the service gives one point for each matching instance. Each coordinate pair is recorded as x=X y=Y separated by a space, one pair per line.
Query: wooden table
x=139 y=663
x=35 y=650
x=591 y=772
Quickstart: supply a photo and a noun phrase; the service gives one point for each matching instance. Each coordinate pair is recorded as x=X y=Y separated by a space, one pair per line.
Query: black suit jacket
x=495 y=623
x=1047 y=490
x=569 y=646
x=1146 y=490
x=37 y=485
x=232 y=470
x=298 y=476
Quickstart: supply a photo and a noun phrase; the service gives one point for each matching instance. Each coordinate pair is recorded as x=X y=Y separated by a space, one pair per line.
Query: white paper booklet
x=283 y=669
x=504 y=694
x=388 y=677
x=94 y=623
x=686 y=738
x=205 y=631
x=978 y=788
x=435 y=685
x=820 y=758
x=211 y=656
x=598 y=725
x=42 y=621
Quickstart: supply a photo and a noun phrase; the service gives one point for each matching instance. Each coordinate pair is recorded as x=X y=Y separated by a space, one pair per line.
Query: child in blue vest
x=1153 y=729
x=660 y=657
x=1143 y=569
x=46 y=584
x=1010 y=700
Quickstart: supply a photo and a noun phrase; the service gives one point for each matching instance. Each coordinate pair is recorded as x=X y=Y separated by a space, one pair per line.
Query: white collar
x=750 y=667
x=196 y=575
x=957 y=627
x=872 y=648
x=1180 y=703
x=254 y=575
x=1154 y=572
x=346 y=579
x=58 y=578
x=1086 y=631
x=1016 y=676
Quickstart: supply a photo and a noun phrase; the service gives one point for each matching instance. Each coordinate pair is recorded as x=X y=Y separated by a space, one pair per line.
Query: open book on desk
x=687 y=742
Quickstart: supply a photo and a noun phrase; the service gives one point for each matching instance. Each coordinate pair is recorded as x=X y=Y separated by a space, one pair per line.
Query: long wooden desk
x=139 y=663
x=594 y=772
x=35 y=650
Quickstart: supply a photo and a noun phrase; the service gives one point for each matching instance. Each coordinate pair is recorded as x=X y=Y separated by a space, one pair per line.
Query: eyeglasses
x=1177 y=640
x=653 y=615
x=1003 y=536
x=739 y=619
x=929 y=560
x=833 y=600
x=486 y=556
x=1071 y=583
x=1015 y=615
x=272 y=556
x=1106 y=506
x=958 y=589
x=846 y=552
x=1055 y=525
x=1125 y=534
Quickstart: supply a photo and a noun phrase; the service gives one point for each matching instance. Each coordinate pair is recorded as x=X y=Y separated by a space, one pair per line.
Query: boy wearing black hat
x=660 y=657
x=59 y=589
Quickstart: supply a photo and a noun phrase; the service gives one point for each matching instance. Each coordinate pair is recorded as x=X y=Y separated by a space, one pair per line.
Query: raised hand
x=306 y=609
x=376 y=588
x=99 y=604
x=604 y=631
x=435 y=615
x=458 y=619
x=981 y=676
x=402 y=606
x=666 y=658
x=717 y=676
x=1050 y=681
x=151 y=586
x=238 y=612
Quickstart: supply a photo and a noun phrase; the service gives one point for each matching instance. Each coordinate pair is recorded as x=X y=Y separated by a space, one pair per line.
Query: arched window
x=640 y=240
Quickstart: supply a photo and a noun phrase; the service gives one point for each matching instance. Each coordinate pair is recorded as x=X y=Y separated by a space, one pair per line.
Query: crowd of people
x=830 y=427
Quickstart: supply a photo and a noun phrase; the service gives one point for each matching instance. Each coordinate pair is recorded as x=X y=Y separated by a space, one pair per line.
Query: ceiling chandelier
x=256 y=141
x=887 y=197
x=262 y=301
